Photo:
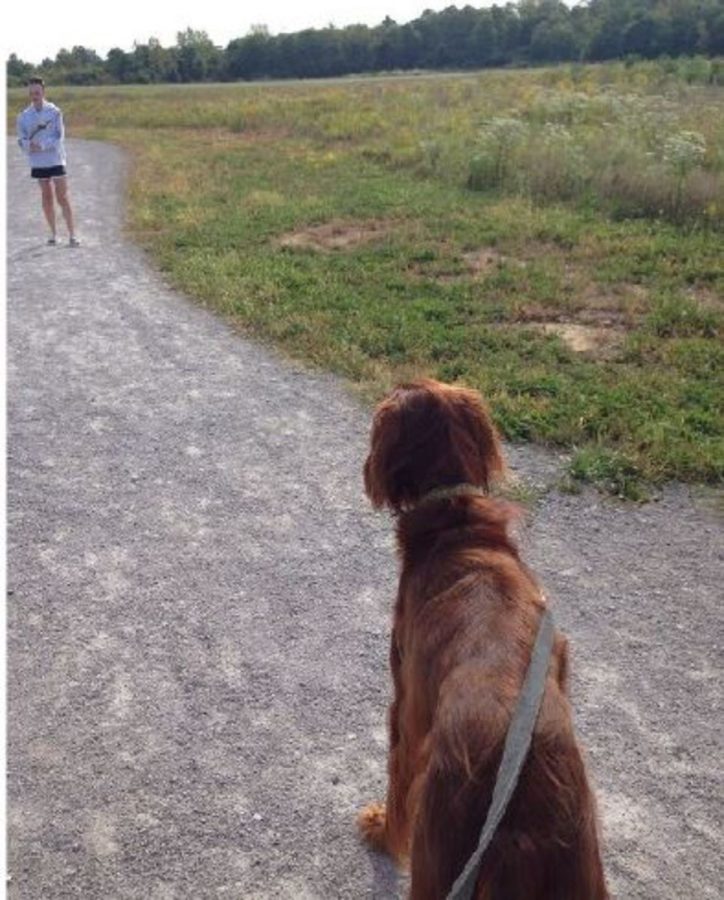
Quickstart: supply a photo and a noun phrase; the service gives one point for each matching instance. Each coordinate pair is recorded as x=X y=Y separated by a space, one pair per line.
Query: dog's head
x=427 y=435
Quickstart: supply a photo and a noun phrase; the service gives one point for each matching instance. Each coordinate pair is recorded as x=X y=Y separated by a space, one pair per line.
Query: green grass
x=222 y=174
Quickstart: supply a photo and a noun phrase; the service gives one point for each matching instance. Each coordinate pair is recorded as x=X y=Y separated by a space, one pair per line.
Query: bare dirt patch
x=334 y=236
x=453 y=268
x=707 y=297
x=483 y=260
x=623 y=300
x=604 y=318
x=531 y=311
x=596 y=332
x=593 y=340
x=240 y=134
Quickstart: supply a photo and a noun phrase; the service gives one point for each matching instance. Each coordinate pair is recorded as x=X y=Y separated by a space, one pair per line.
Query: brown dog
x=465 y=621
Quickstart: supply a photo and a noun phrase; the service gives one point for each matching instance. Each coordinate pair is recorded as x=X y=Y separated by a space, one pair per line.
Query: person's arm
x=52 y=135
x=23 y=139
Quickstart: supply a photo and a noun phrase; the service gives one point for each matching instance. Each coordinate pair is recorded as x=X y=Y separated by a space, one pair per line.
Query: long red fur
x=465 y=621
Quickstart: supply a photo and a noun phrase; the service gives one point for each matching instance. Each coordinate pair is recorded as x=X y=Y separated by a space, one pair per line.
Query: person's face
x=36 y=95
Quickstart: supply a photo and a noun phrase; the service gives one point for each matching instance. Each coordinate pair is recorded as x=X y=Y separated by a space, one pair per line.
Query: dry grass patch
x=600 y=342
x=594 y=321
x=257 y=135
x=452 y=268
x=484 y=260
x=706 y=297
x=625 y=300
x=259 y=199
x=604 y=318
x=337 y=235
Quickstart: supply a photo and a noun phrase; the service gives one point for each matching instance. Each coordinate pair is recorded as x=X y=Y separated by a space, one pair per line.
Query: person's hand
x=35 y=147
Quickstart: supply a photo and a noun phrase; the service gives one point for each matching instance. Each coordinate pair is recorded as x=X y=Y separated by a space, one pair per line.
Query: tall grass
x=627 y=153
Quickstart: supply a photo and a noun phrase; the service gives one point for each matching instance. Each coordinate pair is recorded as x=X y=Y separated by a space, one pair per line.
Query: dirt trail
x=200 y=605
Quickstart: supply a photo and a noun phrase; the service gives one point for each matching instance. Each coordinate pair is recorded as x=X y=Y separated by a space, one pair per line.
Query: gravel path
x=200 y=601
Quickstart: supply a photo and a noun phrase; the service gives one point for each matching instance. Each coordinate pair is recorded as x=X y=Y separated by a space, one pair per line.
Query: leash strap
x=517 y=742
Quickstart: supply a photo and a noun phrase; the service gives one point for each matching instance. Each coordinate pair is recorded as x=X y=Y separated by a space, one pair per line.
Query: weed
x=614 y=472
x=674 y=315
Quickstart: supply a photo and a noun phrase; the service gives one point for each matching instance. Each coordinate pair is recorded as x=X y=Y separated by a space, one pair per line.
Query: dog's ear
x=385 y=447
x=474 y=439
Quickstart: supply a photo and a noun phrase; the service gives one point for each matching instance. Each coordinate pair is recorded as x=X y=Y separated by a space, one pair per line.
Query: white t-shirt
x=45 y=128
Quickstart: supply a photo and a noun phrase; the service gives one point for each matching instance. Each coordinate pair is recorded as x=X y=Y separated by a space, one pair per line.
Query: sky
x=42 y=28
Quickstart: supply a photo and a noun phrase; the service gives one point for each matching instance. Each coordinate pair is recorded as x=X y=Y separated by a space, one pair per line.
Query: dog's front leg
x=385 y=826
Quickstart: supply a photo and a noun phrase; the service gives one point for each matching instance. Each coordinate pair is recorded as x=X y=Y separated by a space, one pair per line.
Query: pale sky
x=42 y=28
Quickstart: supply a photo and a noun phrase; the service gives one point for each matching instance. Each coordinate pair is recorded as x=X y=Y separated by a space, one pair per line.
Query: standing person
x=40 y=135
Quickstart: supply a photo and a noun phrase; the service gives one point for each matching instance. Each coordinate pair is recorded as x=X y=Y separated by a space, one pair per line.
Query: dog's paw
x=372 y=825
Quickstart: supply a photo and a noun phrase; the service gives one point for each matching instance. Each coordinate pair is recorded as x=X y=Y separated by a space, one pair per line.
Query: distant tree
x=248 y=57
x=508 y=26
x=355 y=46
x=450 y=31
x=118 y=64
x=317 y=53
x=607 y=22
x=484 y=42
x=407 y=45
x=141 y=67
x=18 y=71
x=78 y=56
x=197 y=58
x=715 y=33
x=640 y=37
x=681 y=32
x=606 y=42
x=331 y=48
x=78 y=66
x=162 y=61
x=385 y=45
x=553 y=41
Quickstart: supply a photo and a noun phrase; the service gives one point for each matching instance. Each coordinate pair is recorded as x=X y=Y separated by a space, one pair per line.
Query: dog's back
x=468 y=623
x=546 y=847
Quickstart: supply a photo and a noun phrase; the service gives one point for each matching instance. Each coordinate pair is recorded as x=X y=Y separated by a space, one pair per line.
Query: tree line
x=528 y=32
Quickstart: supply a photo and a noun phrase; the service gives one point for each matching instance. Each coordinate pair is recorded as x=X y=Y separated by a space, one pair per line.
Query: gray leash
x=517 y=742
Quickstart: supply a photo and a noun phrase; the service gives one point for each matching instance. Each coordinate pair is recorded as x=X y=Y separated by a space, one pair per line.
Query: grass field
x=552 y=237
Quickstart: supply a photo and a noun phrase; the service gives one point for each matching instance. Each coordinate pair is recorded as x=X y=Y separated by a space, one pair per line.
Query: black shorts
x=48 y=172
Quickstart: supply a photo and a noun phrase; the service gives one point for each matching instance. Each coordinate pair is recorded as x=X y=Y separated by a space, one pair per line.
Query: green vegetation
x=338 y=221
x=523 y=33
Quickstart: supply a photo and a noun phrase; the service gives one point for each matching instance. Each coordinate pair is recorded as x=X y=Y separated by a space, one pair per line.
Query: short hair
x=36 y=79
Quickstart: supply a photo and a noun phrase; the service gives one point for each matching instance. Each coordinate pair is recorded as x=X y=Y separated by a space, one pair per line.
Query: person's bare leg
x=61 y=193
x=46 y=191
